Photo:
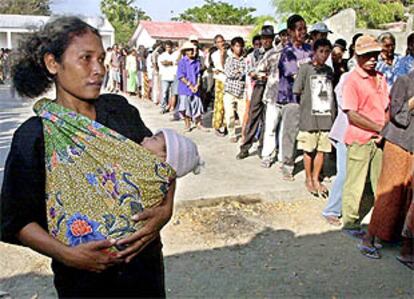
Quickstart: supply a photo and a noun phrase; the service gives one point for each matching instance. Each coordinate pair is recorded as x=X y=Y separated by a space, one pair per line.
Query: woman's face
x=80 y=73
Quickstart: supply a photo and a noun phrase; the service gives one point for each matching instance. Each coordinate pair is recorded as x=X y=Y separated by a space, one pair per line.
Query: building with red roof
x=148 y=32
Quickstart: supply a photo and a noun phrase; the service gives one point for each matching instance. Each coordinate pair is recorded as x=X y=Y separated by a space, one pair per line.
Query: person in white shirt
x=167 y=63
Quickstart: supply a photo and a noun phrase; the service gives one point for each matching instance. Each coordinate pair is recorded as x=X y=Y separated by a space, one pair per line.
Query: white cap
x=193 y=38
x=182 y=153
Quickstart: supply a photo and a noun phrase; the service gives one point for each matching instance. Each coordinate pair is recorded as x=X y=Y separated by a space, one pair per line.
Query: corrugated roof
x=182 y=30
x=168 y=29
x=34 y=22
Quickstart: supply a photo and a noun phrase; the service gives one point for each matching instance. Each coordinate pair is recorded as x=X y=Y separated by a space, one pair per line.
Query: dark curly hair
x=30 y=76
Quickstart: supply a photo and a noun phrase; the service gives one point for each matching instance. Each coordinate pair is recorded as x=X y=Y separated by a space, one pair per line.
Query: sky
x=158 y=10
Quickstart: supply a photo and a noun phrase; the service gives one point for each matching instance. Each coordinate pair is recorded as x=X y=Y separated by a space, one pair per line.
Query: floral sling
x=96 y=179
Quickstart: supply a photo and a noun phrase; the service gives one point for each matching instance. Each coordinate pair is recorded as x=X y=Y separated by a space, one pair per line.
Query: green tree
x=25 y=7
x=217 y=12
x=370 y=13
x=258 y=24
x=124 y=17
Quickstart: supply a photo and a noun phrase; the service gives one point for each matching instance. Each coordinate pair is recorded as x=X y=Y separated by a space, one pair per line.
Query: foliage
x=260 y=21
x=217 y=12
x=124 y=17
x=370 y=13
x=25 y=7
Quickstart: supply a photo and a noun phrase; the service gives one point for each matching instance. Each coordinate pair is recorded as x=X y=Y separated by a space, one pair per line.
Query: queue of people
x=295 y=92
x=292 y=92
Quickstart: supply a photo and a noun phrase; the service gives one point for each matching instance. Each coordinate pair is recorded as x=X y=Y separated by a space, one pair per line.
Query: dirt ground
x=245 y=249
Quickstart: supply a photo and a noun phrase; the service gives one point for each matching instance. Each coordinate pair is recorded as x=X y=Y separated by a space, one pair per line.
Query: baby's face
x=156 y=145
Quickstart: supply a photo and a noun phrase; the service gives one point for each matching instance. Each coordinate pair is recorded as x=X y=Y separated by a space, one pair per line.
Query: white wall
x=144 y=39
x=16 y=37
x=3 y=40
x=107 y=41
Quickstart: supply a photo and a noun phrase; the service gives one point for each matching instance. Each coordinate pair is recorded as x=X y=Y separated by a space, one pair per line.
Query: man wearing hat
x=256 y=108
x=365 y=101
x=268 y=67
x=319 y=31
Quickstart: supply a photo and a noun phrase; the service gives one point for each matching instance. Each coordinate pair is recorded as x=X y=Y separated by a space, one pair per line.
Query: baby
x=179 y=152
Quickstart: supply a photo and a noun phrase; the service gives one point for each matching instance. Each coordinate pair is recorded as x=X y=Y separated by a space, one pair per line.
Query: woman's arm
x=89 y=256
x=156 y=219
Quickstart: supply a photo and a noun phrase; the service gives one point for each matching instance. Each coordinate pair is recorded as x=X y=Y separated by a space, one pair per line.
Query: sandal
x=370 y=252
x=354 y=233
x=311 y=189
x=406 y=263
x=323 y=192
x=266 y=163
x=333 y=220
x=286 y=175
x=219 y=133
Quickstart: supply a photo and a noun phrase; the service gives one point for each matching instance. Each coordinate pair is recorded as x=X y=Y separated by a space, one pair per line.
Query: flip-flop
x=354 y=233
x=406 y=263
x=370 y=252
x=332 y=220
x=323 y=192
x=287 y=176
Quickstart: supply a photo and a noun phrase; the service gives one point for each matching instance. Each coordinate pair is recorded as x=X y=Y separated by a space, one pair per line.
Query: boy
x=314 y=86
x=235 y=71
x=296 y=53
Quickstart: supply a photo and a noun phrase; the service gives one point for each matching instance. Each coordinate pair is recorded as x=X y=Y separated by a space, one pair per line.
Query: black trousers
x=256 y=118
x=143 y=277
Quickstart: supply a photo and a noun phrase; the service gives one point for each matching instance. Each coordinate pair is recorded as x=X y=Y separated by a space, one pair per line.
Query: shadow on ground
x=275 y=263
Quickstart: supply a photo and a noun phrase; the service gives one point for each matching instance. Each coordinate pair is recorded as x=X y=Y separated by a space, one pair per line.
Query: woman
x=189 y=83
x=394 y=192
x=131 y=68
x=388 y=59
x=69 y=53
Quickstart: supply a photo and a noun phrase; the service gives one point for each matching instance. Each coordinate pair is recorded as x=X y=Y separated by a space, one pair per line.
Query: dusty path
x=277 y=249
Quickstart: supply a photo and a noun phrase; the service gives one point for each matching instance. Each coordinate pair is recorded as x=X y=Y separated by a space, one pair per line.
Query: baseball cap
x=320 y=27
x=281 y=27
x=366 y=44
x=187 y=45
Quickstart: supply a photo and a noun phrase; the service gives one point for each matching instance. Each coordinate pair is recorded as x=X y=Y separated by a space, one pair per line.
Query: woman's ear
x=51 y=64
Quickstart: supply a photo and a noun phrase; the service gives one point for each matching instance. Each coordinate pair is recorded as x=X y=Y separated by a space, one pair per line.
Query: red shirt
x=367 y=95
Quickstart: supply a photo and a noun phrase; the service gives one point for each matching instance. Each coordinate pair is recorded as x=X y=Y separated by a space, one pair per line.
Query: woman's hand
x=155 y=219
x=92 y=256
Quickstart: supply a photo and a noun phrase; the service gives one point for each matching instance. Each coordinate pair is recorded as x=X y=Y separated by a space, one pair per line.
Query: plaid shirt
x=235 y=71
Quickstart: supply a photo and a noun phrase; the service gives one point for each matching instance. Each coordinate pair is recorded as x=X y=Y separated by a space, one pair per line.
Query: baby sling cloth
x=96 y=179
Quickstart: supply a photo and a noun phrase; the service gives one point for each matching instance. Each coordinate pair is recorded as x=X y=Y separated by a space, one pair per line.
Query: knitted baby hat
x=182 y=153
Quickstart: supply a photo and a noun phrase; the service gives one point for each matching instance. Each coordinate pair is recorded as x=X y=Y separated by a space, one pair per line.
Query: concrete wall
x=343 y=25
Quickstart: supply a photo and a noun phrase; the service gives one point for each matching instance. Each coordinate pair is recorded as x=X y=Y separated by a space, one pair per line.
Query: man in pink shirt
x=366 y=101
